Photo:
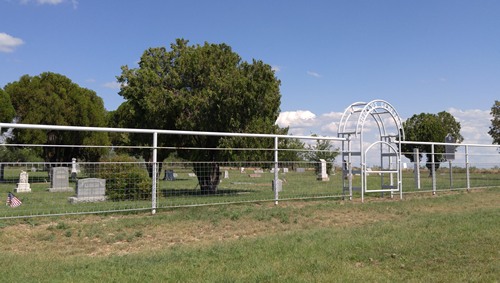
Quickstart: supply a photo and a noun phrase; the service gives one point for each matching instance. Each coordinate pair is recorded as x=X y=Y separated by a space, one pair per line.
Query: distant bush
x=126 y=178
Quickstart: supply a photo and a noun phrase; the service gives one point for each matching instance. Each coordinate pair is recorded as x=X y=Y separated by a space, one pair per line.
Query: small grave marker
x=169 y=175
x=278 y=185
x=23 y=186
x=323 y=176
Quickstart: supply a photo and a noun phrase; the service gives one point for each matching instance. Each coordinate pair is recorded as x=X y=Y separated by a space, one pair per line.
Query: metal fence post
x=416 y=164
x=155 y=173
x=467 y=166
x=433 y=170
x=276 y=186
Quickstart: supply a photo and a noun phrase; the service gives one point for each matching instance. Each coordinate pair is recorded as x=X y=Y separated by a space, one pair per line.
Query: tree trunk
x=208 y=175
x=429 y=166
x=2 y=170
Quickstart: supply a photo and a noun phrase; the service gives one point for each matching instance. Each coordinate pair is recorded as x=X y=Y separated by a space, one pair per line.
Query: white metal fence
x=273 y=173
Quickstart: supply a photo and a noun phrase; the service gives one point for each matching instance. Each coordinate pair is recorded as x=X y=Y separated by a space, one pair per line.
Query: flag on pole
x=13 y=201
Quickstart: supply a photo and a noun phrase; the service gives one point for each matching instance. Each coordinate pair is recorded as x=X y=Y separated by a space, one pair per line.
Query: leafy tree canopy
x=53 y=99
x=199 y=88
x=495 y=122
x=426 y=127
x=6 y=109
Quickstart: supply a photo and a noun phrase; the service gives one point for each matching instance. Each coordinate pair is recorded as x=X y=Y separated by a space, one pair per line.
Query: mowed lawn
x=450 y=237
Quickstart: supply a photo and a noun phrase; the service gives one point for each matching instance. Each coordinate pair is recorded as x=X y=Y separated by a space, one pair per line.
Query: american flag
x=13 y=201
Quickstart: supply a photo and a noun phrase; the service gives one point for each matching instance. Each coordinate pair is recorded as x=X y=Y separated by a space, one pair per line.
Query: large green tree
x=53 y=99
x=7 y=111
x=426 y=127
x=6 y=115
x=495 y=122
x=199 y=88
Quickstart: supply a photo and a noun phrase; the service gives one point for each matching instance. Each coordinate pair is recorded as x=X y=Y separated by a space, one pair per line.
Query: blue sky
x=420 y=56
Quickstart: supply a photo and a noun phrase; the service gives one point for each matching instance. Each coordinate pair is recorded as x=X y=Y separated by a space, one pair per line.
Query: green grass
x=452 y=237
x=238 y=188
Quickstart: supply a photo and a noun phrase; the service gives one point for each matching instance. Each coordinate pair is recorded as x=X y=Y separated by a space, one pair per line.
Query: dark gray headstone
x=169 y=175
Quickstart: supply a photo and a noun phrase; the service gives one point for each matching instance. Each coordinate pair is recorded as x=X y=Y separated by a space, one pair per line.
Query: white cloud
x=8 y=43
x=474 y=128
x=276 y=68
x=300 y=122
x=112 y=85
x=313 y=74
x=330 y=129
x=475 y=125
x=50 y=2
x=298 y=118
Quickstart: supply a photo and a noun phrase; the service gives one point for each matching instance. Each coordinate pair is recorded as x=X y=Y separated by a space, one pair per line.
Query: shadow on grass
x=198 y=192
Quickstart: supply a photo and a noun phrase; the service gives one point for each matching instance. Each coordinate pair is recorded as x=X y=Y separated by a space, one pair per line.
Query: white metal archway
x=354 y=155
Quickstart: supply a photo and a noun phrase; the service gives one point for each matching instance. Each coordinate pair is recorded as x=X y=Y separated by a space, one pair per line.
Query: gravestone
x=226 y=174
x=272 y=170
x=192 y=175
x=258 y=171
x=285 y=170
x=23 y=186
x=300 y=170
x=75 y=169
x=169 y=175
x=323 y=176
x=59 y=180
x=89 y=190
x=278 y=185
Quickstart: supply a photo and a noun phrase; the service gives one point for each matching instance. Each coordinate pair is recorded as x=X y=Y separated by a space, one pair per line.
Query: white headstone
x=323 y=176
x=226 y=174
x=74 y=168
x=272 y=170
x=278 y=185
x=23 y=186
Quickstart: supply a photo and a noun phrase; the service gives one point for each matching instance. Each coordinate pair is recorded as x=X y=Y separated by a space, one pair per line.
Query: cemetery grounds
x=450 y=236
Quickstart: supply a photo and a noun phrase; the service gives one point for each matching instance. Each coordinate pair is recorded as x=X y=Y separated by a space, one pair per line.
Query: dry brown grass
x=94 y=235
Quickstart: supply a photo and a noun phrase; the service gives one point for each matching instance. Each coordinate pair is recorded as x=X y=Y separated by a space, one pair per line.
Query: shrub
x=126 y=178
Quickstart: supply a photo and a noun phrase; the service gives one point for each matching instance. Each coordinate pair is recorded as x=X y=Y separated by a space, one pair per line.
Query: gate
x=354 y=155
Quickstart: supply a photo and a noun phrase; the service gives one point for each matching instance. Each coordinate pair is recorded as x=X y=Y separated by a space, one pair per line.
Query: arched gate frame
x=351 y=129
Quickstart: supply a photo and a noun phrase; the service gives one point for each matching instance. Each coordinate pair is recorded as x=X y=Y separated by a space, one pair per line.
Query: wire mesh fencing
x=98 y=187
x=469 y=167
x=249 y=168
